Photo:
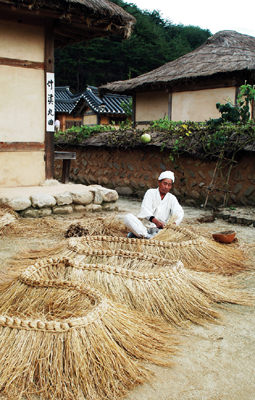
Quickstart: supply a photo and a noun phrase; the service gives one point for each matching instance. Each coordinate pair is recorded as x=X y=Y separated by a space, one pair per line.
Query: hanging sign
x=50 y=102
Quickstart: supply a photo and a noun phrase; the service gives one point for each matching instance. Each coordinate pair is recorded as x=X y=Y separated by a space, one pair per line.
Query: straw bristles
x=168 y=291
x=65 y=340
x=199 y=254
x=174 y=233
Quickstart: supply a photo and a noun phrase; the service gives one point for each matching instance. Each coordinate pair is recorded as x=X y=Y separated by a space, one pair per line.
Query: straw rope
x=94 y=354
x=171 y=292
x=199 y=254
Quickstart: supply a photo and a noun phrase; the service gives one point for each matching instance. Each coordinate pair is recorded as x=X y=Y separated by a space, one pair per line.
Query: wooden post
x=66 y=157
x=170 y=106
x=134 y=111
x=49 y=136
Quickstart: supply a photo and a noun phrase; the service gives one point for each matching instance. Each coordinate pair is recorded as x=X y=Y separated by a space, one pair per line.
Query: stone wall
x=60 y=200
x=132 y=171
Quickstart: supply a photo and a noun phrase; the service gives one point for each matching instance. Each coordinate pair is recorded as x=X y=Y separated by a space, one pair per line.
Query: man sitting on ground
x=157 y=207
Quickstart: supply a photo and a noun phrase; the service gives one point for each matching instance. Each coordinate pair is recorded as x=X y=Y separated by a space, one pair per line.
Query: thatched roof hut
x=73 y=20
x=223 y=53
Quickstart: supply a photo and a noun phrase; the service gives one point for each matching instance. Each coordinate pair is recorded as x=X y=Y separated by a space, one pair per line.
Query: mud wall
x=132 y=171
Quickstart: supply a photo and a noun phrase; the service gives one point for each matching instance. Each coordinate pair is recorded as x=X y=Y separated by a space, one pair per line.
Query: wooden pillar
x=49 y=136
x=170 y=106
x=134 y=111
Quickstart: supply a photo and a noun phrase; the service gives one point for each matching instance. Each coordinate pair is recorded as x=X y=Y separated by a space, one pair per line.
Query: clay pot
x=224 y=237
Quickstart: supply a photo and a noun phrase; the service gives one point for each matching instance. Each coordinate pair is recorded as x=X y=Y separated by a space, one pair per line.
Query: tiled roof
x=66 y=102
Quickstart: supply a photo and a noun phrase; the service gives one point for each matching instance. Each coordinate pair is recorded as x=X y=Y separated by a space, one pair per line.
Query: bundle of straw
x=199 y=254
x=64 y=340
x=111 y=226
x=168 y=291
x=7 y=216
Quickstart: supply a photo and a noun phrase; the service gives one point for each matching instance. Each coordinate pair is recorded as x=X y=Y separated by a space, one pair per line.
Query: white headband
x=166 y=175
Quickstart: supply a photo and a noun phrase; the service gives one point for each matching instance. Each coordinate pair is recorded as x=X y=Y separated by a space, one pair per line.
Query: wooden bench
x=66 y=156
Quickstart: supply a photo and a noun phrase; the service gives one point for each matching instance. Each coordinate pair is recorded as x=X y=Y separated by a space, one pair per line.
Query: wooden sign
x=50 y=102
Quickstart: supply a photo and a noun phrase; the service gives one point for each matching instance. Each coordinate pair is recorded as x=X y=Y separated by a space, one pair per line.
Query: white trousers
x=137 y=227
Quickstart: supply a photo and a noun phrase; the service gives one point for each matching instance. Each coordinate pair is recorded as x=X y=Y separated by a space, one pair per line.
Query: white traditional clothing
x=153 y=205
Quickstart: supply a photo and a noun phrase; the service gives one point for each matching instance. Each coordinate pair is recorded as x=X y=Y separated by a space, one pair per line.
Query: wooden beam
x=65 y=155
x=13 y=62
x=21 y=146
x=49 y=136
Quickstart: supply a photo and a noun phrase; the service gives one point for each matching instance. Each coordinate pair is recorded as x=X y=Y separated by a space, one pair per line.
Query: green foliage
x=164 y=124
x=239 y=112
x=127 y=124
x=244 y=100
x=77 y=134
x=154 y=41
x=207 y=141
x=127 y=107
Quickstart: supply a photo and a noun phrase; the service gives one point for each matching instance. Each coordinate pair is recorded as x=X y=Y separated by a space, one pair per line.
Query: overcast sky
x=215 y=15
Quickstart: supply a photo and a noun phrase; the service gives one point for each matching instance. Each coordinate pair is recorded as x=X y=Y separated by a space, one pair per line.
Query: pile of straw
x=7 y=216
x=111 y=226
x=64 y=340
x=168 y=290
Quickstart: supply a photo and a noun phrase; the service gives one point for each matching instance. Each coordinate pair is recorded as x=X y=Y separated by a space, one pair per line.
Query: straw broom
x=168 y=291
x=64 y=340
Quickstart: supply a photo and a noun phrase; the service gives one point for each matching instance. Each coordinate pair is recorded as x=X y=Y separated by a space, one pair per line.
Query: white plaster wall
x=21 y=41
x=199 y=105
x=89 y=120
x=22 y=105
x=151 y=106
x=21 y=168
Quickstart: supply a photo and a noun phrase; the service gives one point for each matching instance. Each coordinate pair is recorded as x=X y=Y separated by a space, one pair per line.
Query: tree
x=154 y=41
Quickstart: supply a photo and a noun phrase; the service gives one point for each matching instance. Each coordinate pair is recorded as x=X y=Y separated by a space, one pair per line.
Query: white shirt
x=161 y=209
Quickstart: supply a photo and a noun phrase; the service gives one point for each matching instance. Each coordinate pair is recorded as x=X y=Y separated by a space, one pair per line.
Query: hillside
x=154 y=41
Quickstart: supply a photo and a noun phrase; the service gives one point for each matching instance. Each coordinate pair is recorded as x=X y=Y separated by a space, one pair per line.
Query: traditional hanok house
x=88 y=108
x=29 y=31
x=187 y=89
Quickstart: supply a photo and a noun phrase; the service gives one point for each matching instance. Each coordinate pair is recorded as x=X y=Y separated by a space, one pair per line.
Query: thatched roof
x=224 y=52
x=72 y=20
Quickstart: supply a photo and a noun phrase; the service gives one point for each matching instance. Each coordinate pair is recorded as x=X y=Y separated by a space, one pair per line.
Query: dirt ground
x=216 y=362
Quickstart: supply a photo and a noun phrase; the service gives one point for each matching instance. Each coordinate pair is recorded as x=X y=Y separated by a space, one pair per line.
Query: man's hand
x=159 y=224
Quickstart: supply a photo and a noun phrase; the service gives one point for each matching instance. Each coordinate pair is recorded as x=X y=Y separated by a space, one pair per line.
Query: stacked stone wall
x=132 y=171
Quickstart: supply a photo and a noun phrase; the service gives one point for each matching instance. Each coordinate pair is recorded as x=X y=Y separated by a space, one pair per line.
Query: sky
x=215 y=15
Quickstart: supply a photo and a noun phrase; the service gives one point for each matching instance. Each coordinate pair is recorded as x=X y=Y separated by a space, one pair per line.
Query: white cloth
x=166 y=175
x=136 y=226
x=152 y=204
